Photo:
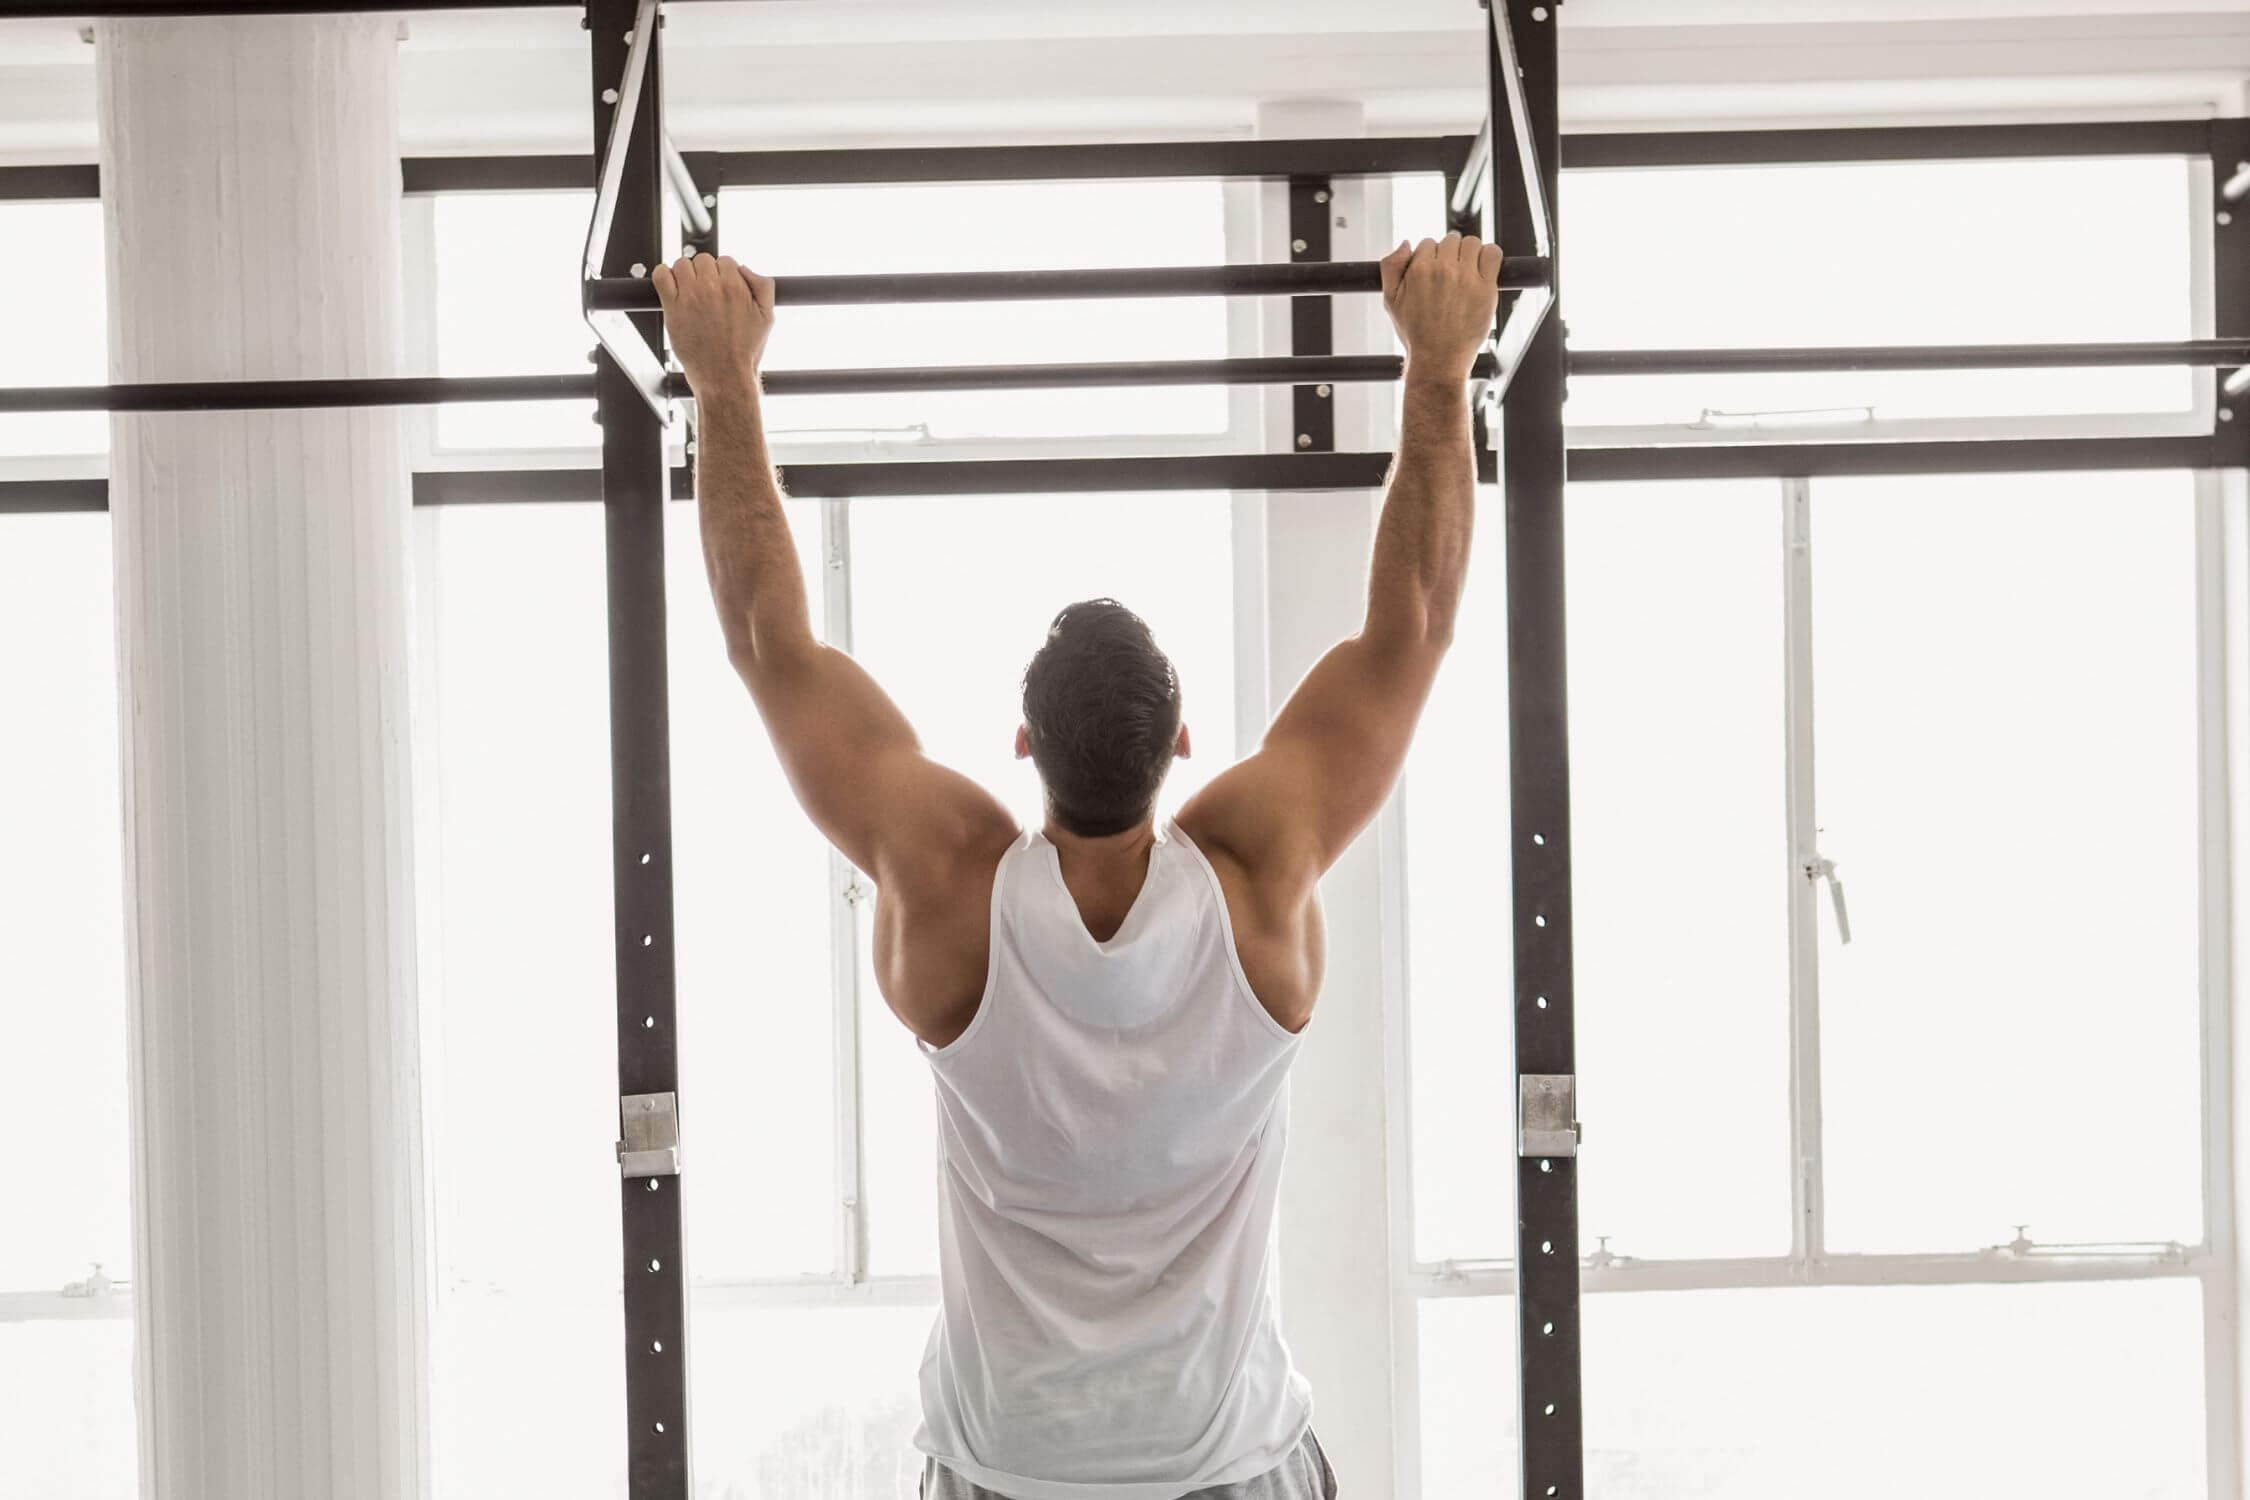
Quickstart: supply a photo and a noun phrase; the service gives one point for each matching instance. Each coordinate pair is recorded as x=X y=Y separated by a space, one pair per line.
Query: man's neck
x=1125 y=850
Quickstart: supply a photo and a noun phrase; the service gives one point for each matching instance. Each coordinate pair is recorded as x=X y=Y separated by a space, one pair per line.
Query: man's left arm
x=850 y=754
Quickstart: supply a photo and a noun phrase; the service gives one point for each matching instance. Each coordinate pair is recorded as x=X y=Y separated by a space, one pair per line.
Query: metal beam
x=1522 y=89
x=2191 y=352
x=628 y=122
x=1278 y=279
x=1747 y=148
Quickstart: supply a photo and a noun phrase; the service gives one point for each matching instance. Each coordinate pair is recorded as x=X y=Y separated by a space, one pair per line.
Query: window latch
x=1823 y=868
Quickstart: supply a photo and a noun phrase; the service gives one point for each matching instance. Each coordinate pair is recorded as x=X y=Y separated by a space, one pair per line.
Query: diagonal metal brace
x=640 y=363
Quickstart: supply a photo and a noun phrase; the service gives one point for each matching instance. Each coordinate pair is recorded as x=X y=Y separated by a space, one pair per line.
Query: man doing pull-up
x=1109 y=1005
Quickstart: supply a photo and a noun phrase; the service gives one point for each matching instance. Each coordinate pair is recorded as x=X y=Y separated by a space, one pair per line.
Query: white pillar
x=250 y=172
x=1339 y=1270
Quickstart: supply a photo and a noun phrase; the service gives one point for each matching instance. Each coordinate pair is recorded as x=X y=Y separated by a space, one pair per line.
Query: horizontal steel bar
x=1283 y=158
x=72 y=182
x=2194 y=352
x=1938 y=456
x=1311 y=157
x=1716 y=148
x=271 y=395
x=1275 y=471
x=634 y=294
x=1489 y=1279
x=252 y=395
x=138 y=9
x=1277 y=370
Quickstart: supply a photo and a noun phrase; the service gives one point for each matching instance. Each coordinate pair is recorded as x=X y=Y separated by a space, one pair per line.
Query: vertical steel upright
x=1531 y=470
x=2230 y=280
x=634 y=485
x=1312 y=320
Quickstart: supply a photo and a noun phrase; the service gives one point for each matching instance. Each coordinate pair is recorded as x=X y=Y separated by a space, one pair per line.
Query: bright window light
x=53 y=304
x=2007 y=729
x=752 y=896
x=1855 y=1392
x=989 y=227
x=1964 y=252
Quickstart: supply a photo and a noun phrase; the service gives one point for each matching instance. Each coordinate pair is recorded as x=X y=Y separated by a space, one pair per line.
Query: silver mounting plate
x=1546 y=1114
x=651 y=1147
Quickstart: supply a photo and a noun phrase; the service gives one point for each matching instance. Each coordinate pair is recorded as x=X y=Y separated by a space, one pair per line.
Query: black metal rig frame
x=1511 y=202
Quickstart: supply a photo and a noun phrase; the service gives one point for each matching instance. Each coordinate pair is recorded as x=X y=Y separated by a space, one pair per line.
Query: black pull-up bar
x=1312 y=279
x=1297 y=369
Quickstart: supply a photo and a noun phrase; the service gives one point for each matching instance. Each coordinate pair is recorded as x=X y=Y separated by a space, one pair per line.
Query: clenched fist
x=718 y=314
x=1441 y=296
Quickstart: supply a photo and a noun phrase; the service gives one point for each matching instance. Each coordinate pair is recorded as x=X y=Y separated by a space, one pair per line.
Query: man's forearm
x=1422 y=540
x=748 y=552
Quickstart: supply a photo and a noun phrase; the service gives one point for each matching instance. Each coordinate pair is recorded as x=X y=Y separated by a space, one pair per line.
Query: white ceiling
x=885 y=71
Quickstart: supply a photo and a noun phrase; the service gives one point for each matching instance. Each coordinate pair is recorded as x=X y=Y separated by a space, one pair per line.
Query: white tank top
x=1110 y=1138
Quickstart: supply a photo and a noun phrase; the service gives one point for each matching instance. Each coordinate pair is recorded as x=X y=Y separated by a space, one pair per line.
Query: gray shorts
x=1303 y=1475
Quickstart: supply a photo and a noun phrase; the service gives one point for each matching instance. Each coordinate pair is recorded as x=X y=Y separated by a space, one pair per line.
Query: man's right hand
x=1442 y=295
x=718 y=314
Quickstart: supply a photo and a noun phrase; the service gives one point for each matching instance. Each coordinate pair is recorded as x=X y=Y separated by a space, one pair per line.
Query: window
x=66 y=1370
x=987 y=227
x=2004 y=737
x=506 y=301
x=53 y=304
x=1770 y=1394
x=1814 y=257
x=2007 y=729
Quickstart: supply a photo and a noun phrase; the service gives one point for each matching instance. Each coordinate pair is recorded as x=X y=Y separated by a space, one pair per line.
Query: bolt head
x=2226 y=413
x=710 y=200
x=1297 y=246
x=1539 y=12
x=1321 y=196
x=609 y=96
x=2225 y=217
x=1304 y=440
x=1321 y=391
x=639 y=269
x=628 y=39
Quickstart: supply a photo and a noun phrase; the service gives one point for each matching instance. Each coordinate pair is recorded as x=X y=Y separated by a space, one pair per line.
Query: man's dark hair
x=1102 y=706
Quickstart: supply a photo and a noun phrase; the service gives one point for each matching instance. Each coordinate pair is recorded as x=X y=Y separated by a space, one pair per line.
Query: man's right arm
x=1330 y=759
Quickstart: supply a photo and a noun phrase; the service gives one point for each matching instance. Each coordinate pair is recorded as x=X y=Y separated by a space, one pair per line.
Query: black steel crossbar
x=2193 y=352
x=633 y=294
x=1333 y=369
x=266 y=395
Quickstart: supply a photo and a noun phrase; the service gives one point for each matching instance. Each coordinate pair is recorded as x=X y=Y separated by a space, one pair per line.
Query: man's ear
x=1023 y=742
x=1183 y=747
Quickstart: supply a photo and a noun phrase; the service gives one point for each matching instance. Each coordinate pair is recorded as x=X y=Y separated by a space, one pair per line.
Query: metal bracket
x=651 y=1147
x=1546 y=1114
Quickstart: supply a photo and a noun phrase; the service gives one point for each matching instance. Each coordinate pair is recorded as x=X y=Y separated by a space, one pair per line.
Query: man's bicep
x=855 y=764
x=1330 y=759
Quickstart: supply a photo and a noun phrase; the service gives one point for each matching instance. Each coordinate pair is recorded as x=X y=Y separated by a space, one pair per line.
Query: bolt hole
x=1546 y=1166
x=1546 y=1247
x=648 y=1023
x=652 y=1185
x=1550 y=1408
x=656 y=1346
x=644 y=859
x=647 y=939
x=1539 y=838
x=660 y=1427
x=1538 y=921
x=656 y=1265
x=1550 y=1489
x=1547 y=1330
x=1542 y=1002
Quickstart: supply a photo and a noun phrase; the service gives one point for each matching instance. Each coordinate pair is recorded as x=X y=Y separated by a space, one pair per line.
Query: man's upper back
x=1112 y=1123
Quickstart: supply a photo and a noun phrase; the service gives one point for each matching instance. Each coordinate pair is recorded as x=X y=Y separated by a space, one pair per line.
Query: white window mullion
x=2215 y=675
x=1807 y=1238
x=846 y=896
